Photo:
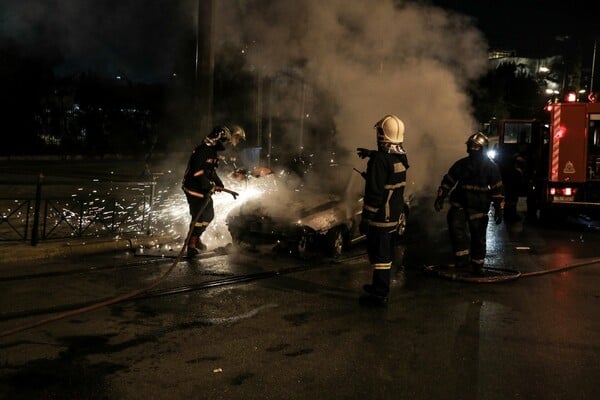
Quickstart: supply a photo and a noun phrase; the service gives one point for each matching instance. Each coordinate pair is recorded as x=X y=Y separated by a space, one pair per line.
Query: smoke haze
x=373 y=58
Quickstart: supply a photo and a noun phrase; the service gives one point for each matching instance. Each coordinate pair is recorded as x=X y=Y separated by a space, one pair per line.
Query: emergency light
x=571 y=97
x=562 y=191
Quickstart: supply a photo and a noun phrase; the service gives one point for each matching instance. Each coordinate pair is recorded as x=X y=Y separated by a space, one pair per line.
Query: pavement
x=14 y=252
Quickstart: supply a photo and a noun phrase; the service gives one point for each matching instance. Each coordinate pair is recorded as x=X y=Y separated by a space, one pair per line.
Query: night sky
x=135 y=38
x=140 y=38
x=530 y=27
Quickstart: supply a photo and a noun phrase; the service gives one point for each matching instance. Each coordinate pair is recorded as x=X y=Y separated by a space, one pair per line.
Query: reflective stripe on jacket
x=385 y=180
x=201 y=173
x=475 y=182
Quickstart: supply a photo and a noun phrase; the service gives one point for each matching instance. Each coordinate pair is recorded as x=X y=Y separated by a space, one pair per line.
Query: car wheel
x=401 y=224
x=335 y=242
x=236 y=236
x=302 y=246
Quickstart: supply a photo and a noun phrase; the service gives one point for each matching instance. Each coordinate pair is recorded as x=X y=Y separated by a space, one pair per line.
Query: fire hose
x=500 y=274
x=134 y=293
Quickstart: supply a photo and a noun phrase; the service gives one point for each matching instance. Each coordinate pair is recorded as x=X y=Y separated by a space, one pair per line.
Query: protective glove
x=439 y=203
x=231 y=192
x=364 y=226
x=498 y=215
x=363 y=153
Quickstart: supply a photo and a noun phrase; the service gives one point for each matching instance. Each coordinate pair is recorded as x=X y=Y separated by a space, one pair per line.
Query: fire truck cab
x=555 y=165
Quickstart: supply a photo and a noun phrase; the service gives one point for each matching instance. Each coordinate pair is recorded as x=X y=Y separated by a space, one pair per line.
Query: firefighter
x=201 y=179
x=515 y=183
x=385 y=179
x=473 y=183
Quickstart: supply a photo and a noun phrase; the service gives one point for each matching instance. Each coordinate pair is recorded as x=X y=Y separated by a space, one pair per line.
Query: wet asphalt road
x=303 y=335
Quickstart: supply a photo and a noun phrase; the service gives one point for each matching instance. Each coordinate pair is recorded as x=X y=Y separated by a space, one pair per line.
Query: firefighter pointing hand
x=473 y=183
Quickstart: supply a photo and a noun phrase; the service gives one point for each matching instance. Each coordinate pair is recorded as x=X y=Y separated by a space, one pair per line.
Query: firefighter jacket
x=475 y=182
x=201 y=175
x=384 y=189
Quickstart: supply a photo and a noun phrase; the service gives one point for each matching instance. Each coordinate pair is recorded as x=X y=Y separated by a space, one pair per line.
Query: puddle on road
x=69 y=376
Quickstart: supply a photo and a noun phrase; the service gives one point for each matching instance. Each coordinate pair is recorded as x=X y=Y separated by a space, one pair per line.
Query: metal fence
x=55 y=210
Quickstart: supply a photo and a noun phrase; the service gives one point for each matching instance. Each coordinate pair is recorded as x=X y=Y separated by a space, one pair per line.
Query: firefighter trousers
x=380 y=246
x=468 y=236
x=208 y=214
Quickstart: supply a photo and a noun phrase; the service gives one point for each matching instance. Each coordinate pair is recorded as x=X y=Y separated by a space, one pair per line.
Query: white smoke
x=373 y=58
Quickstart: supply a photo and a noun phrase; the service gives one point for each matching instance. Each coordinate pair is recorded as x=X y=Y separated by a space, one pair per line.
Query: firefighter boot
x=192 y=246
x=462 y=259
x=477 y=268
x=369 y=300
x=373 y=298
x=377 y=292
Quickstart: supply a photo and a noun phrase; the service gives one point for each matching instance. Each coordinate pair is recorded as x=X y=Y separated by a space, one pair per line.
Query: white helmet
x=390 y=129
x=477 y=139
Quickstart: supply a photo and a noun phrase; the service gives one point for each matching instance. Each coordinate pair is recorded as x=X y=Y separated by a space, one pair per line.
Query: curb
x=23 y=252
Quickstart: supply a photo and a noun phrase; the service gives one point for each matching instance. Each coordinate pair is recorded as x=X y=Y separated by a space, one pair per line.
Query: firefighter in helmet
x=473 y=182
x=385 y=179
x=201 y=179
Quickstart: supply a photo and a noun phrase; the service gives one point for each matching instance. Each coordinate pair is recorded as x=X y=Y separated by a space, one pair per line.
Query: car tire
x=237 y=236
x=335 y=242
x=402 y=224
x=302 y=246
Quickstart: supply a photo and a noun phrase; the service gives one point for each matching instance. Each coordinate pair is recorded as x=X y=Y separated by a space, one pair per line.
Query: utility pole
x=302 y=101
x=259 y=108
x=593 y=68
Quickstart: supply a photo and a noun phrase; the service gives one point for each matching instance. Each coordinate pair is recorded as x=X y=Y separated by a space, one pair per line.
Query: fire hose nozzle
x=362 y=173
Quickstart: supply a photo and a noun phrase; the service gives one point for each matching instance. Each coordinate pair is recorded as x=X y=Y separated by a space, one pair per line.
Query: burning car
x=318 y=213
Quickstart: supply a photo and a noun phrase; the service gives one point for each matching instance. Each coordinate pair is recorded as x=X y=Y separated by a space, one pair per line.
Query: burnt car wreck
x=318 y=213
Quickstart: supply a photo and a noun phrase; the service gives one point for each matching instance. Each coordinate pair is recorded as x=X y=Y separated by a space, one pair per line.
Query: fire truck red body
x=555 y=165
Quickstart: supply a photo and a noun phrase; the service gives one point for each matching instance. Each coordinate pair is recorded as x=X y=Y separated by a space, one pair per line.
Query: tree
x=508 y=91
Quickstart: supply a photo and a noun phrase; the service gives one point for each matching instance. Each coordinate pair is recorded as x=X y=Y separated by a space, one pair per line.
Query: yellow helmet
x=390 y=129
x=232 y=134
x=238 y=131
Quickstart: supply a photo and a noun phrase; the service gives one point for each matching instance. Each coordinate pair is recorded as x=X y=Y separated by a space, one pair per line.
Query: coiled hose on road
x=498 y=274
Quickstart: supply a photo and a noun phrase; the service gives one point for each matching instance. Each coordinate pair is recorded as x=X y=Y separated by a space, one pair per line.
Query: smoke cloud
x=370 y=57
x=373 y=58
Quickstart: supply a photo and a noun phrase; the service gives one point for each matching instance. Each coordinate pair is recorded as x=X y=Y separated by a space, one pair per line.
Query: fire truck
x=555 y=164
